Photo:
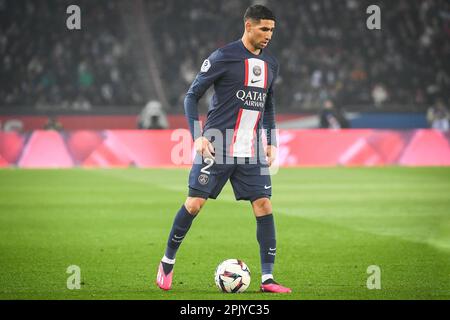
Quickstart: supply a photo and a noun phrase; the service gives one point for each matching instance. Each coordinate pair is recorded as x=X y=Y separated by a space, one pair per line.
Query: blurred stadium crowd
x=324 y=48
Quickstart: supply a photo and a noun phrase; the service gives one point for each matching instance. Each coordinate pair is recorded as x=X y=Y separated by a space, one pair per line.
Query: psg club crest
x=257 y=71
x=203 y=179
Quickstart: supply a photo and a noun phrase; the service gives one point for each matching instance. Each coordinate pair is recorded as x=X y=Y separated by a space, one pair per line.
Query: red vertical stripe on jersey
x=237 y=123
x=254 y=131
x=265 y=75
x=246 y=72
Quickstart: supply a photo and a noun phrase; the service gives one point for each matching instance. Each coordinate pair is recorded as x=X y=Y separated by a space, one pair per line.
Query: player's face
x=261 y=33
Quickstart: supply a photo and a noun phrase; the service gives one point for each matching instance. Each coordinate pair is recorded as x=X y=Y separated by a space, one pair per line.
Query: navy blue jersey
x=243 y=102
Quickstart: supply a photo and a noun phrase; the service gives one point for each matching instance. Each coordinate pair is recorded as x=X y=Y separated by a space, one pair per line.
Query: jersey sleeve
x=211 y=70
x=269 y=113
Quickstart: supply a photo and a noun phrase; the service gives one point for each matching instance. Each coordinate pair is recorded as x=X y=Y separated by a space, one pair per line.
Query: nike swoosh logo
x=255 y=81
x=267 y=187
x=272 y=249
x=177 y=237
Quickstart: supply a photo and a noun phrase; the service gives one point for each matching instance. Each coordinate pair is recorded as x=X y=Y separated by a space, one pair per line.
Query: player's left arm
x=269 y=122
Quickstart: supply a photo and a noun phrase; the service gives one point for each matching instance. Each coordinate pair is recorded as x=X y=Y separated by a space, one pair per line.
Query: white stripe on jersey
x=244 y=133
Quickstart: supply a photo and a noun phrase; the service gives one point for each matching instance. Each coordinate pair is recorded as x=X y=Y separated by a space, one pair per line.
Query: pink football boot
x=162 y=280
x=272 y=286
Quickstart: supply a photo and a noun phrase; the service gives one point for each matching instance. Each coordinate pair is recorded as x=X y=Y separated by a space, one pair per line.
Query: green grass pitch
x=332 y=224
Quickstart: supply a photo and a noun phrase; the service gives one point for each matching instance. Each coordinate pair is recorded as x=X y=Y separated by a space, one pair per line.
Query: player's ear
x=248 y=25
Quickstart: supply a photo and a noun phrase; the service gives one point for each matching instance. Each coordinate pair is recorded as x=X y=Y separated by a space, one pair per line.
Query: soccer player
x=230 y=145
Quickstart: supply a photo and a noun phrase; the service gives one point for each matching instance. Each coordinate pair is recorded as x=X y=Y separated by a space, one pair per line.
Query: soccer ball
x=232 y=276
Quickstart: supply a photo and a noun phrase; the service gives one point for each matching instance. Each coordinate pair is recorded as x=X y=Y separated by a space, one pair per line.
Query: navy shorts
x=207 y=179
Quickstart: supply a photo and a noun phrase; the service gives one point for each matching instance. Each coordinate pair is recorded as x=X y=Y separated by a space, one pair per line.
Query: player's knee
x=194 y=205
x=262 y=206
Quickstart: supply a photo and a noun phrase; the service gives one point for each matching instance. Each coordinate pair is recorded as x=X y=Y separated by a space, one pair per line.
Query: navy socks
x=180 y=227
x=265 y=234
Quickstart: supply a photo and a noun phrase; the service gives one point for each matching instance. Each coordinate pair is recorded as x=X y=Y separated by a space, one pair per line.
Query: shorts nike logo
x=252 y=81
x=267 y=187
x=272 y=249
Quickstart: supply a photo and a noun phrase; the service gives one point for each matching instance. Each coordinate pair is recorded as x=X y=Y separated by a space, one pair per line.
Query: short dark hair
x=258 y=12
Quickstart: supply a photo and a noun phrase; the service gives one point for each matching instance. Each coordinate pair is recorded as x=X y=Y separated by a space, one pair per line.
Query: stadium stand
x=324 y=48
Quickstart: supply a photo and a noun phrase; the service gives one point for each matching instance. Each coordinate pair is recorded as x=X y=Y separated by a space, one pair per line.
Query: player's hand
x=204 y=148
x=271 y=153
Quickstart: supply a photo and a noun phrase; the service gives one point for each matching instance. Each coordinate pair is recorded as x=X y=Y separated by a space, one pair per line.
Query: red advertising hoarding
x=173 y=148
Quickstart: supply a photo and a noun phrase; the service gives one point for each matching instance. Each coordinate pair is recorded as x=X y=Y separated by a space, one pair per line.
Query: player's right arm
x=212 y=69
